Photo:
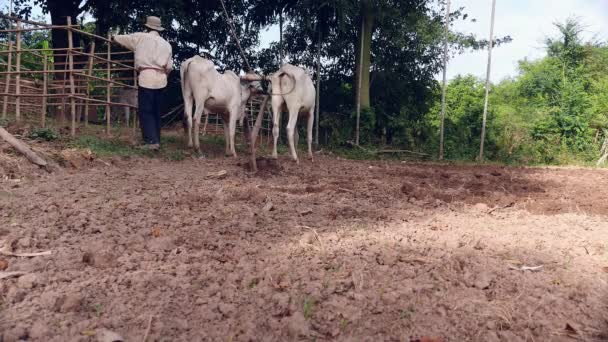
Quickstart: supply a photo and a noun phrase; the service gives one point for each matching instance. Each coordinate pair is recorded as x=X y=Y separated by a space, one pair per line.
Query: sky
x=528 y=22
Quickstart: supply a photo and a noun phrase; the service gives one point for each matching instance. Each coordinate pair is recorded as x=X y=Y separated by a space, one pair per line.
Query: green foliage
x=46 y=134
x=553 y=112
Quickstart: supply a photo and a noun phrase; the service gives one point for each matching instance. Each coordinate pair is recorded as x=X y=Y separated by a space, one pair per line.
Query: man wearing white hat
x=153 y=61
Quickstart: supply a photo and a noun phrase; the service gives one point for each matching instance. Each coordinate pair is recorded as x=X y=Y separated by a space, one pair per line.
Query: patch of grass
x=175 y=155
x=107 y=147
x=97 y=309
x=253 y=283
x=309 y=307
x=46 y=134
x=407 y=313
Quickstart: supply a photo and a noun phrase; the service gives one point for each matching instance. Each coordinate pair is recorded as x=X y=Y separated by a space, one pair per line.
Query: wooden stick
x=24 y=21
x=84 y=97
x=84 y=33
x=109 y=80
x=22 y=148
x=4 y=275
x=39 y=50
x=8 y=78
x=18 y=77
x=147 y=329
x=90 y=72
x=44 y=93
x=38 y=95
x=109 y=86
x=254 y=135
x=129 y=67
x=27 y=29
x=136 y=112
x=71 y=71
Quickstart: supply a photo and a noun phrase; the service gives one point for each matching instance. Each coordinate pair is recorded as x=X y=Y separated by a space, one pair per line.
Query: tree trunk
x=59 y=11
x=363 y=67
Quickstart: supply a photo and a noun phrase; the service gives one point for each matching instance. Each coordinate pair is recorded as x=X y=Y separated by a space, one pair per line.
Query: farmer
x=153 y=63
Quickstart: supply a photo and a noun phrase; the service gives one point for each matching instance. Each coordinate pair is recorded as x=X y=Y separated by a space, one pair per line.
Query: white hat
x=153 y=23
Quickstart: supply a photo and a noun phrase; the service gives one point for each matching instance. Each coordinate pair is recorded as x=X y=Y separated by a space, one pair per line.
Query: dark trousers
x=149 y=101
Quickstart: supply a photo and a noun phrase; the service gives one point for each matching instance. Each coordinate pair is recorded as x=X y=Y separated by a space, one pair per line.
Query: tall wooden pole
x=18 y=75
x=485 y=106
x=89 y=72
x=109 y=85
x=318 y=98
x=9 y=68
x=359 y=83
x=45 y=80
x=281 y=38
x=72 y=88
x=445 y=78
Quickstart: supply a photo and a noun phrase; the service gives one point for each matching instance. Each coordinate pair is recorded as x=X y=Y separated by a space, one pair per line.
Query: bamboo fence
x=77 y=80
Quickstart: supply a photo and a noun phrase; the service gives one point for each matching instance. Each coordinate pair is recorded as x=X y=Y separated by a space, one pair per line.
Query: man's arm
x=127 y=40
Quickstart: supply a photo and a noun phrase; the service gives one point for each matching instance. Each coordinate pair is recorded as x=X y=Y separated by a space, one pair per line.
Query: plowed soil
x=332 y=250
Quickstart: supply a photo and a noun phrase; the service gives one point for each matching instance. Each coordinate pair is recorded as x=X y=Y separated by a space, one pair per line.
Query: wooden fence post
x=108 y=86
x=9 y=68
x=89 y=72
x=71 y=66
x=44 y=91
x=18 y=75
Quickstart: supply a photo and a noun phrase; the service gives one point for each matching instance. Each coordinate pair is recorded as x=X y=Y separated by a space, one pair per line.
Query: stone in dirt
x=104 y=335
x=27 y=281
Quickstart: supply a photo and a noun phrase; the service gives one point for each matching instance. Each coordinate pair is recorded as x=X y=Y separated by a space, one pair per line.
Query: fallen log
x=22 y=148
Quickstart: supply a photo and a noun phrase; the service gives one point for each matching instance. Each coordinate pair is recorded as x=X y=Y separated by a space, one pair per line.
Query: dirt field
x=346 y=251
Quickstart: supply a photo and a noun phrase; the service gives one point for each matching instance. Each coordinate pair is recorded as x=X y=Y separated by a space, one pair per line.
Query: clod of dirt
x=268 y=207
x=3 y=264
x=298 y=326
x=17 y=333
x=307 y=239
x=280 y=302
x=108 y=336
x=226 y=309
x=427 y=339
x=69 y=303
x=39 y=331
x=306 y=212
x=161 y=244
x=508 y=336
x=481 y=207
x=407 y=189
x=483 y=281
x=27 y=281
x=99 y=259
x=25 y=242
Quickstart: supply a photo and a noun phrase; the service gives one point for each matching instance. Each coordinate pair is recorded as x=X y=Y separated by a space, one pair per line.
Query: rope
x=233 y=32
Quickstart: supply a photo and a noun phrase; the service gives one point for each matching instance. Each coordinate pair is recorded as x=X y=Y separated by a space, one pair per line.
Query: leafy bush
x=46 y=134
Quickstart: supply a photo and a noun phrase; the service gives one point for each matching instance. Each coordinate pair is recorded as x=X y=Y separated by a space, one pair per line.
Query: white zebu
x=212 y=92
x=294 y=92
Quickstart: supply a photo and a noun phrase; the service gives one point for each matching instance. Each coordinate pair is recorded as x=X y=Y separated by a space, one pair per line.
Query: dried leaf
x=605 y=269
x=218 y=175
x=3 y=264
x=156 y=232
x=88 y=333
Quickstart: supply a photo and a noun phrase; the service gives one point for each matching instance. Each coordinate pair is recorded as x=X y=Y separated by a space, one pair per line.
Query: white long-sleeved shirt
x=153 y=54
